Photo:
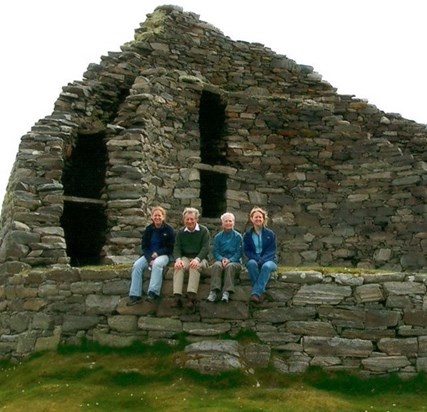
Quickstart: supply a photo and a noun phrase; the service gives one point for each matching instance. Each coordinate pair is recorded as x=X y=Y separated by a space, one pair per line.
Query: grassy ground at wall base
x=94 y=378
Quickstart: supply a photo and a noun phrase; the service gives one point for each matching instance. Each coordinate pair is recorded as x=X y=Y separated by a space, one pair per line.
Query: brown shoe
x=177 y=302
x=255 y=299
x=191 y=302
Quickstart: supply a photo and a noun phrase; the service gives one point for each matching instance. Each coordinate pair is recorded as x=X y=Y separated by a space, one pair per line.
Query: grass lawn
x=147 y=378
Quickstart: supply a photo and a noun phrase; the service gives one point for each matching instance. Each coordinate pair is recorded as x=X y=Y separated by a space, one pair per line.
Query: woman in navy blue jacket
x=259 y=246
x=157 y=246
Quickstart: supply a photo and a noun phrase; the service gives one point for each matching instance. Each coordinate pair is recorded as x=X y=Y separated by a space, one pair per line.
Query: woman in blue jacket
x=259 y=246
x=157 y=246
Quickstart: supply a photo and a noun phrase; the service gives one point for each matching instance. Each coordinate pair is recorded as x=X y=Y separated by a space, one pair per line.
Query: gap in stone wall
x=212 y=126
x=84 y=171
x=84 y=226
x=213 y=187
x=83 y=219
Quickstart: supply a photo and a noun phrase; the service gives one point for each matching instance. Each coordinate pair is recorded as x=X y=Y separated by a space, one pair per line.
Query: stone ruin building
x=185 y=116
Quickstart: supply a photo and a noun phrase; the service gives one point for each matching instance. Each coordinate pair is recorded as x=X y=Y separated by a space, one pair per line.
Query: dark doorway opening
x=213 y=150
x=84 y=171
x=213 y=147
x=83 y=219
x=84 y=225
x=213 y=187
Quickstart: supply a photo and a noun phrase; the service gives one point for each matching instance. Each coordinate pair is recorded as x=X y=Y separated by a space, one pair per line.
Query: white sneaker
x=212 y=296
x=225 y=296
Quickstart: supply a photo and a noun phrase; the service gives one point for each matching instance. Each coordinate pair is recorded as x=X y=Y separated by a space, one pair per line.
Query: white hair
x=226 y=215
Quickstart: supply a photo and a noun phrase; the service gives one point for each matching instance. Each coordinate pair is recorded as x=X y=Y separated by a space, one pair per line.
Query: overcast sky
x=373 y=49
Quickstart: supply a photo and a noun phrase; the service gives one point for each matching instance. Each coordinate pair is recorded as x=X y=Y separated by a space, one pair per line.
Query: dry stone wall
x=374 y=323
x=344 y=182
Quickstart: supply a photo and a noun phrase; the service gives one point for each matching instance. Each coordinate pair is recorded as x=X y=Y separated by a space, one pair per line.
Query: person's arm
x=205 y=243
x=217 y=247
x=168 y=241
x=237 y=248
x=177 y=250
x=248 y=246
x=268 y=246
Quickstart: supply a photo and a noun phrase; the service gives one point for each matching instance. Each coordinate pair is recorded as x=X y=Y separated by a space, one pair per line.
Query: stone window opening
x=213 y=185
x=83 y=219
x=213 y=148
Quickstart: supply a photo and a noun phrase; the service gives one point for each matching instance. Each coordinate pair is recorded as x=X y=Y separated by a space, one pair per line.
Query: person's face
x=157 y=218
x=190 y=221
x=227 y=223
x=257 y=219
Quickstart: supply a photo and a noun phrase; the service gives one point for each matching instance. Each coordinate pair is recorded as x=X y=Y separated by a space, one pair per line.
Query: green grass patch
x=95 y=378
x=136 y=348
x=353 y=385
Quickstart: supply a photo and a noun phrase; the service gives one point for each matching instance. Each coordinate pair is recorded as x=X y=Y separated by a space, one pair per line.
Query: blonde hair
x=160 y=209
x=260 y=210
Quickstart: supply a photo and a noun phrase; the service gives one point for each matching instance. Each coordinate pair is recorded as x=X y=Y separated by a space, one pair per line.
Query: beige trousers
x=193 y=276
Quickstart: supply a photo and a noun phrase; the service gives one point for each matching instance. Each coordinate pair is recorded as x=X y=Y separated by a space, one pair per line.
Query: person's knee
x=269 y=266
x=251 y=263
x=158 y=265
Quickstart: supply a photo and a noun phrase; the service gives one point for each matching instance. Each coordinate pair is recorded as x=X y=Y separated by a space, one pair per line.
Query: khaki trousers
x=193 y=276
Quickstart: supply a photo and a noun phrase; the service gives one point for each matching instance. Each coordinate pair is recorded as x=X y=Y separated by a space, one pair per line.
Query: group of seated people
x=189 y=249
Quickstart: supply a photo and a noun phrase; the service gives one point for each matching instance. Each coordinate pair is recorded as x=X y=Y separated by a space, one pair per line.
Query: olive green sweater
x=192 y=244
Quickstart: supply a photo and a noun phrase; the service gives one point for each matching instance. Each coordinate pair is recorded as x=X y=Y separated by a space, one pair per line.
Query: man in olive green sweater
x=191 y=252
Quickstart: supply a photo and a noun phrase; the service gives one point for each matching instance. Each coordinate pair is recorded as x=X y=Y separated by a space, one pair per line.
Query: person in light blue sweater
x=227 y=253
x=259 y=246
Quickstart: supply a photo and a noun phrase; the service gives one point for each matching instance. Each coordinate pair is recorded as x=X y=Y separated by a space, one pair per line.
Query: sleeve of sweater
x=205 y=243
x=237 y=247
x=177 y=250
x=248 y=246
x=217 y=247
x=269 y=246
x=168 y=240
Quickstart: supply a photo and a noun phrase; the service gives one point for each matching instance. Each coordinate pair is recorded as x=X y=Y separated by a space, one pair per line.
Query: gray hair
x=191 y=210
x=228 y=214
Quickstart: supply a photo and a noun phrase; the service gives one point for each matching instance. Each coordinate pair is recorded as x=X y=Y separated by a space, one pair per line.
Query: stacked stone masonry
x=374 y=323
x=344 y=182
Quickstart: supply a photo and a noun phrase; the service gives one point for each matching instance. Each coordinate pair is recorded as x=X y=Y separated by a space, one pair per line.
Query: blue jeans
x=259 y=275
x=156 y=278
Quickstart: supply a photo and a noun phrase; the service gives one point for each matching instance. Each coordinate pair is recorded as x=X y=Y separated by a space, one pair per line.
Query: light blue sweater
x=228 y=244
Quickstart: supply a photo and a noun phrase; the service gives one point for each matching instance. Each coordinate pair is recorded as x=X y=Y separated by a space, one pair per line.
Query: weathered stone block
x=381 y=318
x=321 y=294
x=282 y=314
x=406 y=346
x=311 y=328
x=404 y=288
x=101 y=304
x=123 y=323
x=72 y=324
x=256 y=355
x=206 y=329
x=337 y=346
x=160 y=324
x=301 y=277
x=232 y=310
x=385 y=363
x=369 y=293
x=349 y=317
x=415 y=317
